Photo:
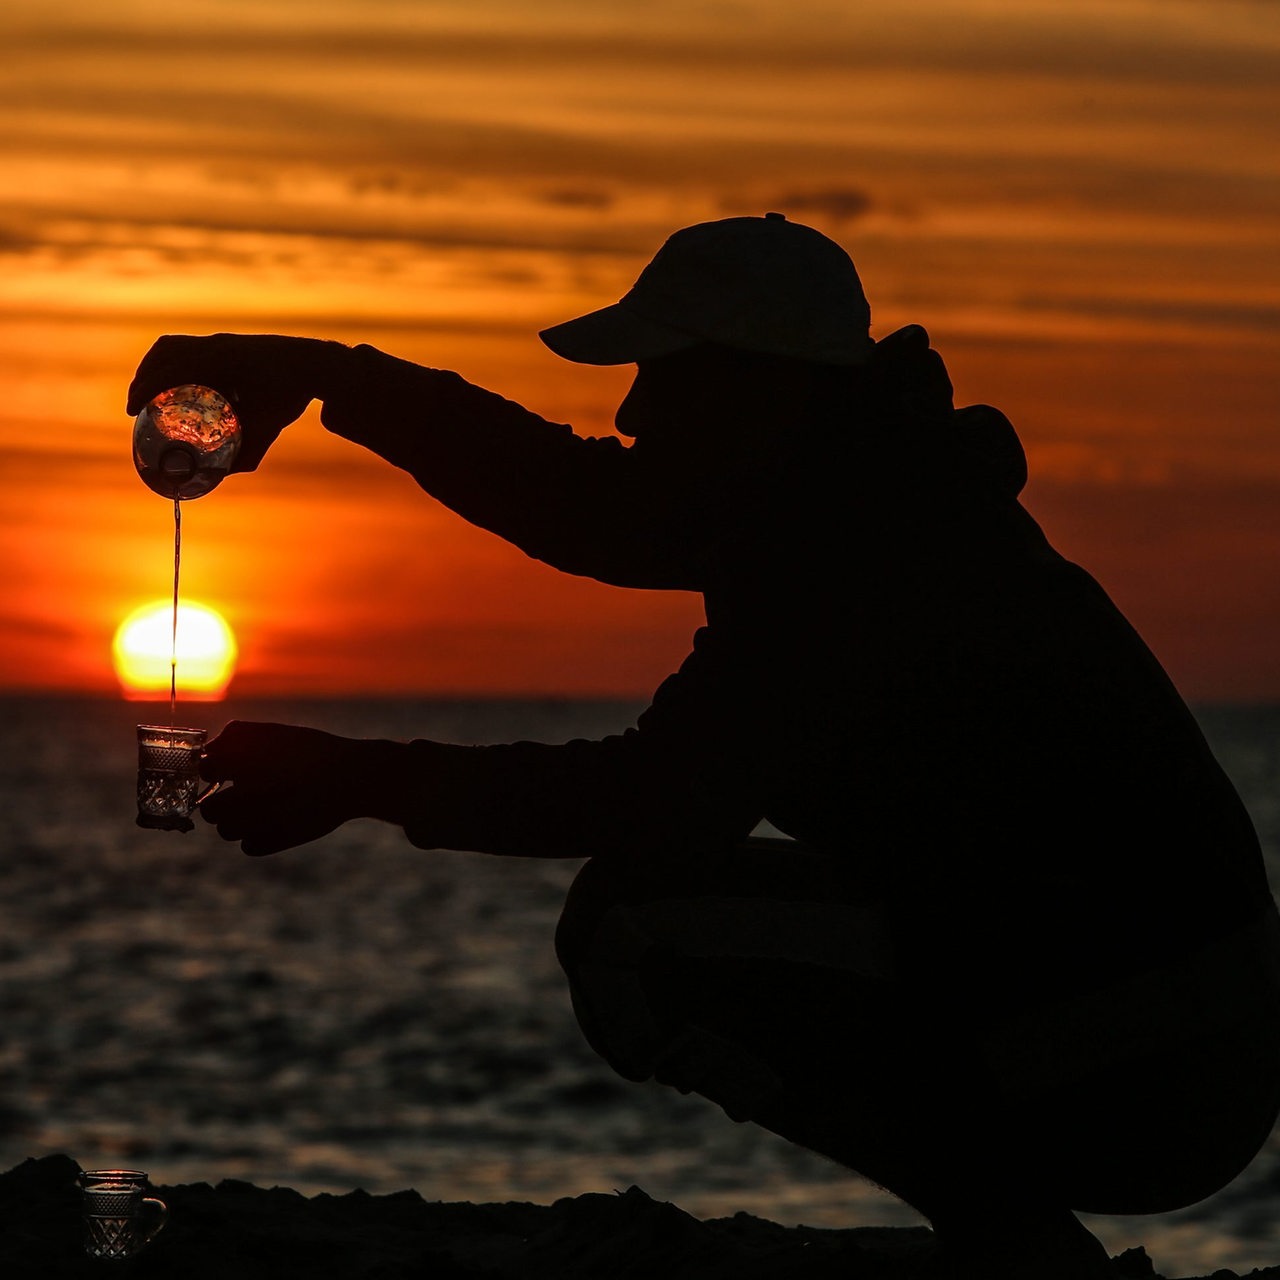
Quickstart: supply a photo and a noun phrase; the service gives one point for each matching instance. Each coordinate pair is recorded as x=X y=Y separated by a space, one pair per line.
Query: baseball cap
x=761 y=284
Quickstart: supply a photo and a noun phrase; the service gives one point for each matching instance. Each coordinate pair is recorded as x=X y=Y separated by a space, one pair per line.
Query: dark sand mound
x=236 y=1230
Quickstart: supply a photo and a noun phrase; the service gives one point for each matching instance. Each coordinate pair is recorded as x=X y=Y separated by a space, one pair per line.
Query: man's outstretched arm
x=685 y=778
x=585 y=506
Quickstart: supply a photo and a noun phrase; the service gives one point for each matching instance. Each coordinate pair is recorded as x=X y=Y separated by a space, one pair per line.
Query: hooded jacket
x=896 y=668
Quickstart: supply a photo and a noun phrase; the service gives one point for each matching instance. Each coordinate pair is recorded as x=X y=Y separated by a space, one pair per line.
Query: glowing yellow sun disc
x=143 y=650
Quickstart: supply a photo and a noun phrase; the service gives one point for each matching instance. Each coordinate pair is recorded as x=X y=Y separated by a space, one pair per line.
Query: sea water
x=359 y=1013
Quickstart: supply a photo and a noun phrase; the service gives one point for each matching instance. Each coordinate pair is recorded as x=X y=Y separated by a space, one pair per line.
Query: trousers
x=762 y=978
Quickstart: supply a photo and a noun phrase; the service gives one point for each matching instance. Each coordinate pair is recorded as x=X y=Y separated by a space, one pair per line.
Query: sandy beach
x=236 y=1229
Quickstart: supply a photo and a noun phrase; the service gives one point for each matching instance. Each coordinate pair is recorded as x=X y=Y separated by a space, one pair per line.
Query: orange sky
x=1078 y=198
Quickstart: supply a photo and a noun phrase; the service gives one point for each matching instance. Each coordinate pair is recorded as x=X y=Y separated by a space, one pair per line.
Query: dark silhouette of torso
x=897 y=668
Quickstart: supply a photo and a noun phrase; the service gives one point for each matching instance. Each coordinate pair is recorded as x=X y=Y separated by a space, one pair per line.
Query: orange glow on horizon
x=1076 y=199
x=143 y=651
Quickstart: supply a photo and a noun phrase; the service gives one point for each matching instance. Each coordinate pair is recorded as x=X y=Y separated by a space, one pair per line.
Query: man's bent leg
x=731 y=971
x=755 y=981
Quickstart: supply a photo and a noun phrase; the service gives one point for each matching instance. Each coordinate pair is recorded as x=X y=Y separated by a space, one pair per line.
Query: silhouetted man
x=1019 y=955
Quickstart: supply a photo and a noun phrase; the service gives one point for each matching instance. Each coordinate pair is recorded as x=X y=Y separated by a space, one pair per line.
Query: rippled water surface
x=361 y=1013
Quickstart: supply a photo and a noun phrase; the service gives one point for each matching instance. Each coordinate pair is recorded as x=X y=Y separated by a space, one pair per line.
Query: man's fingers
x=243 y=746
x=263 y=844
x=220 y=804
x=288 y=785
x=266 y=821
x=169 y=362
x=255 y=827
x=257 y=840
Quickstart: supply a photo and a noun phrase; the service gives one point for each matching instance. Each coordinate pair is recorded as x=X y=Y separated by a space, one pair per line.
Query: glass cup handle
x=159 y=1214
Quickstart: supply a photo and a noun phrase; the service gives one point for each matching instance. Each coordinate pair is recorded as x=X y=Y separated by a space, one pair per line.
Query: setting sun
x=143 y=651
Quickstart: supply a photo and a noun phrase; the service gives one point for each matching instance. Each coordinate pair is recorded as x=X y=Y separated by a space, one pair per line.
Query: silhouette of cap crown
x=761 y=284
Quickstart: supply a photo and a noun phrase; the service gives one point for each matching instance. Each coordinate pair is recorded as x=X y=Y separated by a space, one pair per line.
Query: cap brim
x=615 y=335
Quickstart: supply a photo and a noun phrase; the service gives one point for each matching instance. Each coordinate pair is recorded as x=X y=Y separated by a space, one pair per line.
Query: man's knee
x=765 y=899
x=737 y=980
x=597 y=887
